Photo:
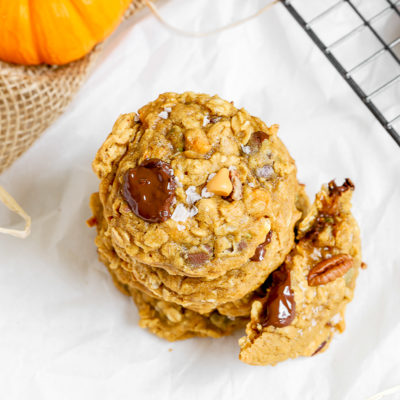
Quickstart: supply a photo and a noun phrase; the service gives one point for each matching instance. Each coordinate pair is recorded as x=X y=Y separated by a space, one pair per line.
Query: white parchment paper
x=67 y=333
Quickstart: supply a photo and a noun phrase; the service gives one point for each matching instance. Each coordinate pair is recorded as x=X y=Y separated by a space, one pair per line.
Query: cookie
x=193 y=185
x=306 y=297
x=198 y=294
x=173 y=322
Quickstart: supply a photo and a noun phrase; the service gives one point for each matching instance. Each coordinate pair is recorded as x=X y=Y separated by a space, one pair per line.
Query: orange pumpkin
x=55 y=31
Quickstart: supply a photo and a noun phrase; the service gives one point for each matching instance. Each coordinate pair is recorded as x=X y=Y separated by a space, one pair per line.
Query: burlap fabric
x=31 y=98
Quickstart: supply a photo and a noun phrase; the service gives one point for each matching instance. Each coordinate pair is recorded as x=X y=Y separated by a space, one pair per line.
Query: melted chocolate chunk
x=197 y=259
x=279 y=306
x=256 y=140
x=330 y=205
x=149 y=189
x=335 y=190
x=260 y=249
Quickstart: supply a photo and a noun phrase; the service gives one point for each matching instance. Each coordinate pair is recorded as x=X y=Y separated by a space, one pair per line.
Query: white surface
x=67 y=333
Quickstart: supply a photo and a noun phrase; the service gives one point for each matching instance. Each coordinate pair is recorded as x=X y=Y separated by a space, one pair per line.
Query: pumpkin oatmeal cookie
x=193 y=185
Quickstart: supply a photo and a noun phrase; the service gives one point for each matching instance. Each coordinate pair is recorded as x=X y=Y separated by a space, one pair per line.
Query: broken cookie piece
x=305 y=301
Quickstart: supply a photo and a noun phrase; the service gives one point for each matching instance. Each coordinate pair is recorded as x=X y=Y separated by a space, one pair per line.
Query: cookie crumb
x=364 y=265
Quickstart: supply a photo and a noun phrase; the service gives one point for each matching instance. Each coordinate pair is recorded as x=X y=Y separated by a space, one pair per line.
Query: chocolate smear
x=279 y=307
x=260 y=249
x=149 y=190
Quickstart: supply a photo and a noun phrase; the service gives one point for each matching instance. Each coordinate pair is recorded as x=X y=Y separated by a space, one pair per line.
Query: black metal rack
x=348 y=74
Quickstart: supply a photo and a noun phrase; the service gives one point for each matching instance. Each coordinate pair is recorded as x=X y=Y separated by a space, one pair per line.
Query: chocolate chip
x=149 y=189
x=279 y=306
x=260 y=249
x=320 y=347
x=256 y=140
x=197 y=259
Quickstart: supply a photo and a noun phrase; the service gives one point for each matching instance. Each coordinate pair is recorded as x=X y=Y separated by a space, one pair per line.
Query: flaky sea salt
x=251 y=184
x=313 y=322
x=211 y=176
x=246 y=149
x=136 y=118
x=163 y=114
x=206 y=194
x=178 y=182
x=191 y=195
x=265 y=171
x=181 y=213
x=180 y=227
x=206 y=121
x=167 y=109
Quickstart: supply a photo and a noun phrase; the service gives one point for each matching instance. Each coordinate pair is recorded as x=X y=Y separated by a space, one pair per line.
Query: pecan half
x=329 y=269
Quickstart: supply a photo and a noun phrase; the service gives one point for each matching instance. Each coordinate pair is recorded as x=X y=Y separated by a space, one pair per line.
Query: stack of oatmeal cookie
x=201 y=220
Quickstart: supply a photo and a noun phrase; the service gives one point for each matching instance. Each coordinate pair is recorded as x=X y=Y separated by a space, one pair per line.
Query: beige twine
x=183 y=32
x=31 y=98
x=12 y=205
x=387 y=392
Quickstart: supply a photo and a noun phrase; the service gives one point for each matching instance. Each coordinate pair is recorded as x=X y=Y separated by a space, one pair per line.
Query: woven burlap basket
x=31 y=98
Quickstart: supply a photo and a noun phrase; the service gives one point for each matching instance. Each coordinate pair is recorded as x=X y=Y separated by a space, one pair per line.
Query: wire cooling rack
x=384 y=51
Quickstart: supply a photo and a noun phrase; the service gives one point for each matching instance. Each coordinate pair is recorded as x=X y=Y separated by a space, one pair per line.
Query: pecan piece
x=197 y=259
x=236 y=193
x=329 y=269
